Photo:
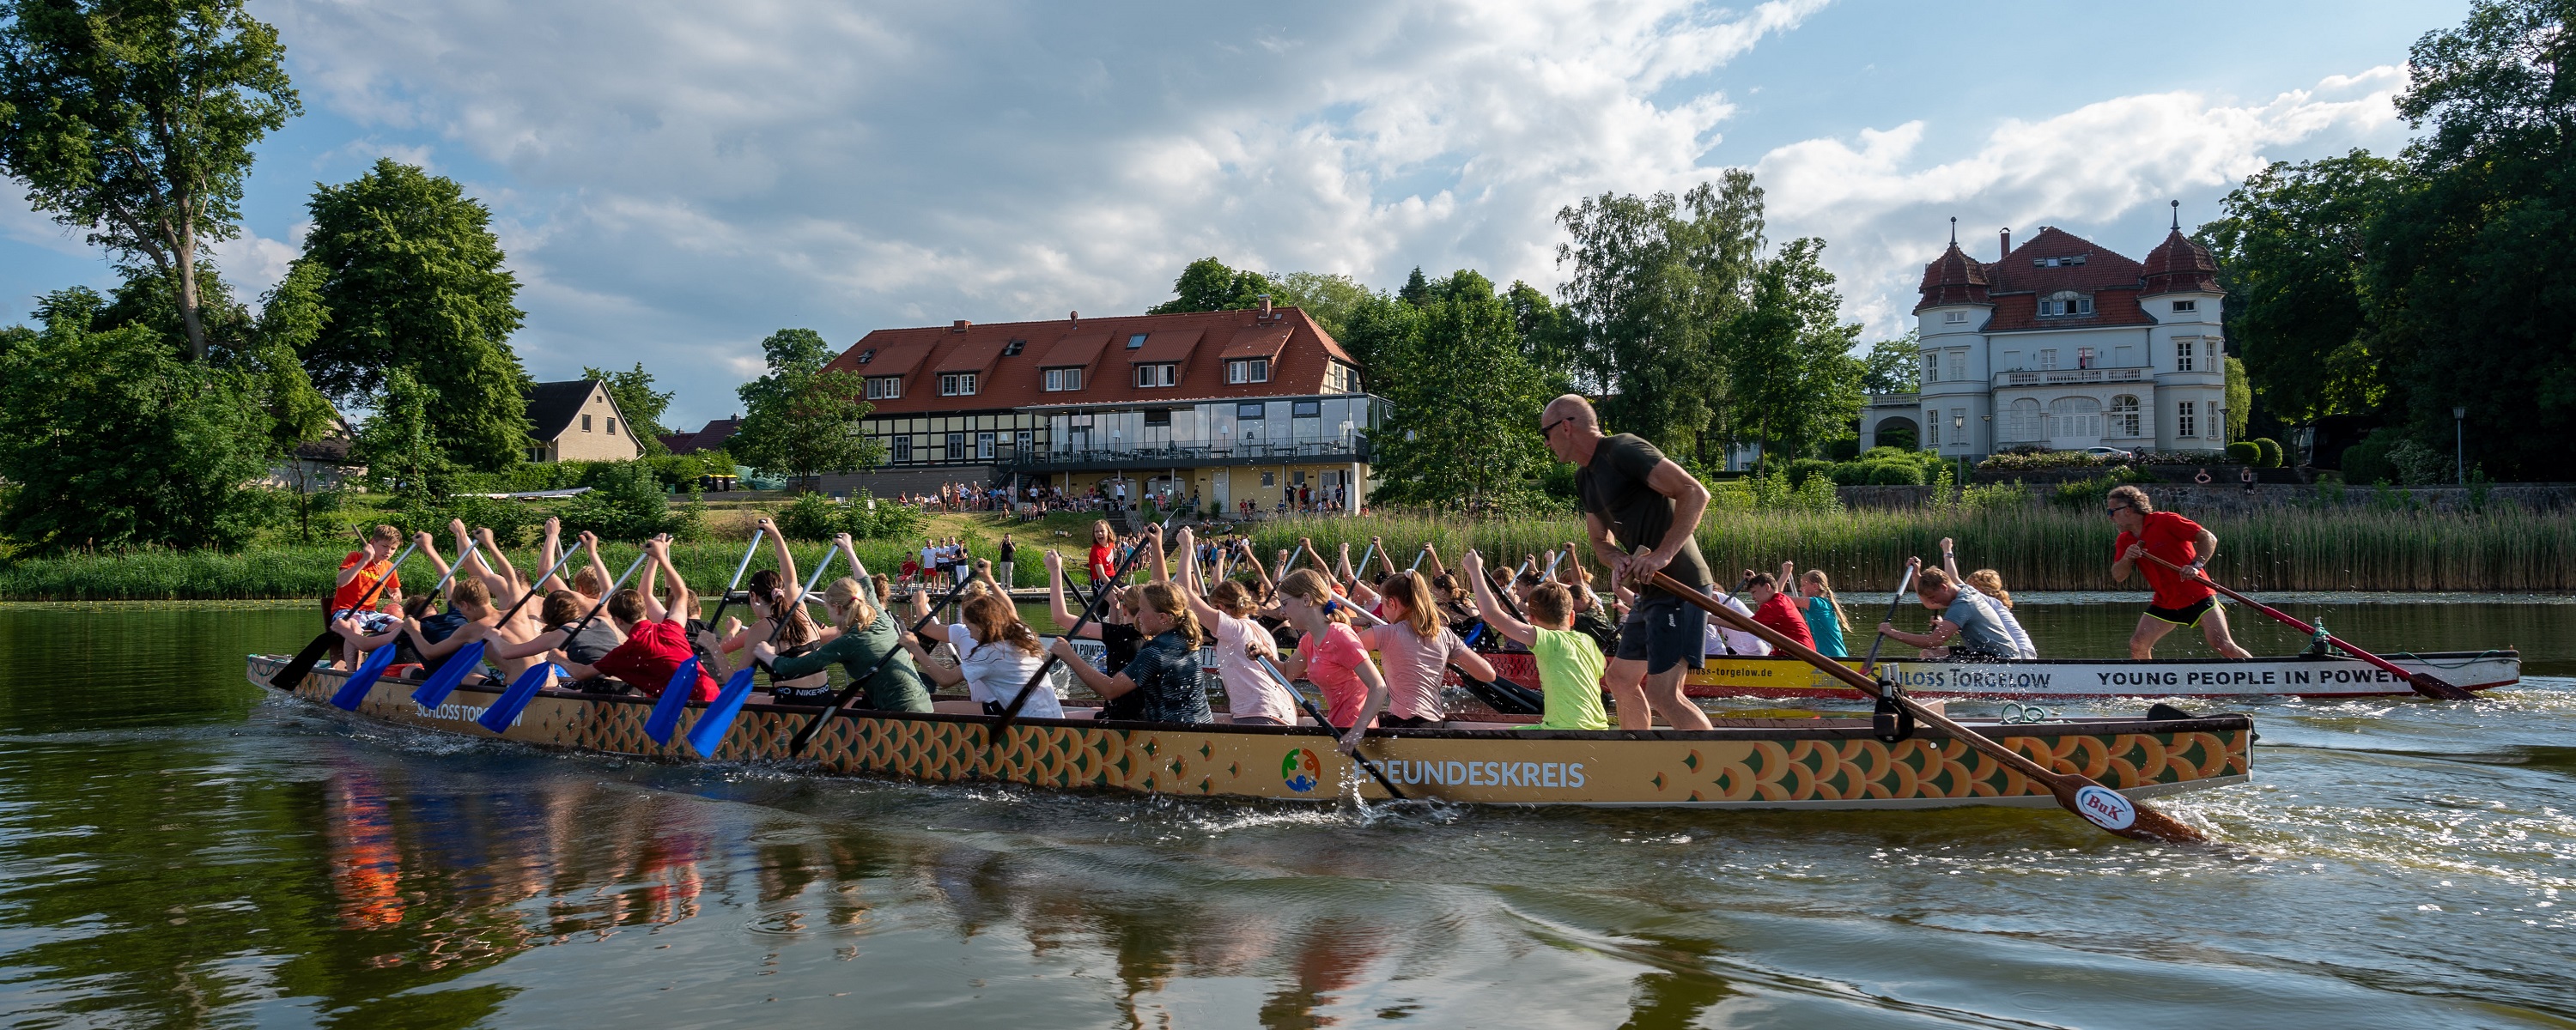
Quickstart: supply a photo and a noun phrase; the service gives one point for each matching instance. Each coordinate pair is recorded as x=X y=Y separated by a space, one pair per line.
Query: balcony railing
x=1354 y=449
x=2061 y=376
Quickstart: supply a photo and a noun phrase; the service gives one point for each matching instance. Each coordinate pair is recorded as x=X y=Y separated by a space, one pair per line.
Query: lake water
x=179 y=848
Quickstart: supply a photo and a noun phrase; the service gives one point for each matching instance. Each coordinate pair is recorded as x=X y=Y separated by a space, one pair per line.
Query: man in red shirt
x=2180 y=599
x=657 y=641
x=1772 y=608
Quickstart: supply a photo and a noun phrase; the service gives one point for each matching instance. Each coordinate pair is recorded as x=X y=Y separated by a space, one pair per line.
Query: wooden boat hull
x=2296 y=675
x=1768 y=763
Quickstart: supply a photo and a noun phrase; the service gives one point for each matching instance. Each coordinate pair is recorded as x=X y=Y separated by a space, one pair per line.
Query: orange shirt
x=351 y=592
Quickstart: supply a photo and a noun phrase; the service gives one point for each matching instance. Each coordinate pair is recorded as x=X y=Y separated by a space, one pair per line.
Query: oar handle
x=1329 y=729
x=522 y=602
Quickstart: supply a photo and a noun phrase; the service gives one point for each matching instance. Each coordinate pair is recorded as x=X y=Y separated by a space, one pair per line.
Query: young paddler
x=1252 y=698
x=868 y=635
x=360 y=571
x=774 y=595
x=1164 y=676
x=1569 y=663
x=657 y=641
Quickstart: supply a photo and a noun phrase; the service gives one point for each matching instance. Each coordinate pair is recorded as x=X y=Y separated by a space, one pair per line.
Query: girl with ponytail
x=1418 y=650
x=1331 y=656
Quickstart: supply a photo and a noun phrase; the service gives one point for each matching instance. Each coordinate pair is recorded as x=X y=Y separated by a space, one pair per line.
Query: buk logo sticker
x=2105 y=807
x=1301 y=770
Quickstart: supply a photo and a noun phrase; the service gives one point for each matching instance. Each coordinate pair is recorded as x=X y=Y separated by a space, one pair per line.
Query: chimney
x=1265 y=307
x=1073 y=316
x=2007 y=245
x=959 y=326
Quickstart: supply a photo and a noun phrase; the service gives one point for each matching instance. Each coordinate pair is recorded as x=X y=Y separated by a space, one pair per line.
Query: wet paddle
x=1869 y=665
x=302 y=664
x=433 y=691
x=735 y=583
x=1327 y=726
x=2426 y=684
x=675 y=698
x=814 y=726
x=363 y=679
x=712 y=725
x=514 y=700
x=1089 y=612
x=2082 y=795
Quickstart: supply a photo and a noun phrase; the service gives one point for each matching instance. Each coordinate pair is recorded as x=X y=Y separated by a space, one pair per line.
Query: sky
x=674 y=181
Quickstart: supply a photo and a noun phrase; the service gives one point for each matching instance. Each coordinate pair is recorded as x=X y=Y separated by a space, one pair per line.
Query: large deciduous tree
x=134 y=119
x=2291 y=255
x=1791 y=374
x=1208 y=285
x=410 y=277
x=1464 y=432
x=800 y=419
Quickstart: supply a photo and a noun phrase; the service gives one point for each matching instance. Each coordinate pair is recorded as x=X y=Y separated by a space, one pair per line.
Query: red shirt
x=1779 y=614
x=1101 y=565
x=2172 y=538
x=351 y=592
x=648 y=658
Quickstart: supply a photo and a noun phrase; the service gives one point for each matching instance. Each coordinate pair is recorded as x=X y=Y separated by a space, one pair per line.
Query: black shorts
x=802 y=695
x=2187 y=615
x=1662 y=630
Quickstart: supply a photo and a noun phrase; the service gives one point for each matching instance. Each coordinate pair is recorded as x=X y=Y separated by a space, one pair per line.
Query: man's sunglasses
x=2116 y=509
x=1551 y=427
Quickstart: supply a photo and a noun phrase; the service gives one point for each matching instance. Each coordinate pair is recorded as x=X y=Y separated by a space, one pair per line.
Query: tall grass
x=2049 y=548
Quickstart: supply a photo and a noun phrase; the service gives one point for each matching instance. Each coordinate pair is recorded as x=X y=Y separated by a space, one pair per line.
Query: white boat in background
x=2300 y=675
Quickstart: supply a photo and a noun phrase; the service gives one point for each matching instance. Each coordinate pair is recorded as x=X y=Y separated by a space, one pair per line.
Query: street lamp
x=2460 y=443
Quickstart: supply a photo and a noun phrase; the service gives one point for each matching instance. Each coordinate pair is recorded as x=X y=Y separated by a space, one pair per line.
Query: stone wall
x=2215 y=498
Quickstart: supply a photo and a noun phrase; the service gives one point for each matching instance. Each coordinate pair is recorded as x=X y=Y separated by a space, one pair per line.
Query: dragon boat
x=1821 y=763
x=2303 y=675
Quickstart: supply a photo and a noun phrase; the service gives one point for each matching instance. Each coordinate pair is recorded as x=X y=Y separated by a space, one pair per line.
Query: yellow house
x=578 y=421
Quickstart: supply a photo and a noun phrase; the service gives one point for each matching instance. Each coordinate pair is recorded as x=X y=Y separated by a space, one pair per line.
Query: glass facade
x=1330 y=426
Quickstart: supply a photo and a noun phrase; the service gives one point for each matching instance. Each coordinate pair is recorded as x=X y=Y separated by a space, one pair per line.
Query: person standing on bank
x=2180 y=600
x=1641 y=510
x=1007 y=562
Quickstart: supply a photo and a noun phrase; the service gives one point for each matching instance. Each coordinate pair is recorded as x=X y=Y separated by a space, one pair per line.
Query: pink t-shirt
x=1333 y=665
x=1415 y=666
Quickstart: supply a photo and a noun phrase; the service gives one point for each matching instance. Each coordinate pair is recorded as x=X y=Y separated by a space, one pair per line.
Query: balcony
x=2071 y=376
x=1106 y=459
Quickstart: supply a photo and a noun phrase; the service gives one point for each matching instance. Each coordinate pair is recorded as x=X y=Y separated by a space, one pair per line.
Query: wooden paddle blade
x=2120 y=814
x=302 y=664
x=2437 y=688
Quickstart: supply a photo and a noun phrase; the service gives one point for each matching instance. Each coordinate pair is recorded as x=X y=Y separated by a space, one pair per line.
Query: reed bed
x=2048 y=548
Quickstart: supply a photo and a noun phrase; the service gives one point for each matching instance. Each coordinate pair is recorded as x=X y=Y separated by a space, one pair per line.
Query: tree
x=800 y=419
x=399 y=443
x=1328 y=299
x=410 y=278
x=2291 y=257
x=1208 y=285
x=113 y=440
x=1654 y=280
x=2240 y=397
x=1547 y=336
x=1791 y=373
x=1464 y=432
x=1893 y=366
x=633 y=390
x=135 y=119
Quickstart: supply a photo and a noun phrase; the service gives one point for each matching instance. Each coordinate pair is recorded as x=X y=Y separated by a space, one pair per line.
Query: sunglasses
x=2115 y=509
x=1551 y=427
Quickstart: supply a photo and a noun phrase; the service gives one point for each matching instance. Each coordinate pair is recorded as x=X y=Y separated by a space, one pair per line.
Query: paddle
x=302 y=664
x=433 y=692
x=1425 y=552
x=2080 y=794
x=1869 y=665
x=524 y=689
x=1089 y=612
x=2424 y=683
x=1326 y=725
x=814 y=726
x=717 y=720
x=363 y=678
x=736 y=582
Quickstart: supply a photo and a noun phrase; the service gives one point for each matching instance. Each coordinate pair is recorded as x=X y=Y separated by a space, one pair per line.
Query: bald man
x=1635 y=498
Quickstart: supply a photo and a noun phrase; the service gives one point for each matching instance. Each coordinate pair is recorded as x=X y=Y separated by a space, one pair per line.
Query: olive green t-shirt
x=1569 y=674
x=1613 y=486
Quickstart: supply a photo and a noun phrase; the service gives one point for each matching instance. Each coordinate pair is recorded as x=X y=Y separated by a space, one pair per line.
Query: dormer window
x=1954 y=317
x=2186 y=305
x=1013 y=348
x=2057 y=262
x=867 y=355
x=1161 y=374
x=2065 y=302
x=885 y=388
x=957 y=384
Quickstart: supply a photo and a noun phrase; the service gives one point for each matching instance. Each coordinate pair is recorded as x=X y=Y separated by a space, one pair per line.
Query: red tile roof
x=1953 y=278
x=2016 y=284
x=1201 y=342
x=2180 y=265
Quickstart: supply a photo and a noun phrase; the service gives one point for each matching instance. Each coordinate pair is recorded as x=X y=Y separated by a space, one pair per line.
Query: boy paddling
x=656 y=644
x=2180 y=599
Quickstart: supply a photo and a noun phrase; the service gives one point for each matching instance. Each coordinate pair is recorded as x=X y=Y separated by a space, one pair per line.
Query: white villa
x=2064 y=343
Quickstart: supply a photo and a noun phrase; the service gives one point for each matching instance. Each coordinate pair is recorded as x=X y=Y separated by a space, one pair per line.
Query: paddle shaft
x=522 y=602
x=1360 y=571
x=2062 y=785
x=1503 y=594
x=1869 y=666
x=2426 y=684
x=814 y=726
x=735 y=583
x=1089 y=612
x=1329 y=729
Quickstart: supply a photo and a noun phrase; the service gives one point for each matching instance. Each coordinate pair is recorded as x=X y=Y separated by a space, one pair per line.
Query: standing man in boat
x=1641 y=510
x=2180 y=600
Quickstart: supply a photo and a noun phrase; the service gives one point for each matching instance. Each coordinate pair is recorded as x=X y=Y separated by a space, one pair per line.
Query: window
x=2083 y=357
x=1021 y=440
x=2183 y=422
x=1158 y=375
x=1270 y=479
x=1249 y=410
x=1158 y=417
x=903 y=449
x=956 y=447
x=1931 y=368
x=1932 y=426
x=867 y=355
x=1248 y=370
x=2012 y=360
x=1136 y=341
x=2186 y=305
x=1341 y=378
x=2123 y=357
x=2047 y=358
x=885 y=388
x=2066 y=302
x=1307 y=409
x=957 y=384
x=612 y=427
x=2076 y=418
x=585 y=423
x=1013 y=348
x=1954 y=317
x=2022 y=422
x=1064 y=379
x=984 y=446
x=2209 y=350
x=2182 y=357
x=2124 y=416
x=2057 y=262
x=1958 y=364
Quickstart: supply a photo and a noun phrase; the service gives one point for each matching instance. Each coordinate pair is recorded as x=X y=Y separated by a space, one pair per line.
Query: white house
x=2063 y=343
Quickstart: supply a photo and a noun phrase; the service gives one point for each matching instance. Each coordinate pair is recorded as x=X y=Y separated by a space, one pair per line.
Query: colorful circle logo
x=1302 y=771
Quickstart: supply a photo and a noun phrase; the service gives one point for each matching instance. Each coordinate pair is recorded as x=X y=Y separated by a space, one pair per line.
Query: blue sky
x=674 y=181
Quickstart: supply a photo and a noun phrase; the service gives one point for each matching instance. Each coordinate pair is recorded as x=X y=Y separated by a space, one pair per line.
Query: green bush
x=513 y=523
x=1843 y=449
x=1801 y=469
x=816 y=517
x=1893 y=473
x=2088 y=493
x=2026 y=461
x=2367 y=461
x=626 y=502
x=2244 y=452
x=2271 y=458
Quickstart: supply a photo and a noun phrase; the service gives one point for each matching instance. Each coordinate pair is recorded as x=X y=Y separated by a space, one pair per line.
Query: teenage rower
x=657 y=641
x=1164 y=676
x=774 y=596
x=1636 y=499
x=996 y=652
x=1331 y=656
x=1116 y=627
x=1771 y=607
x=1965 y=629
x=1418 y=651
x=1822 y=610
x=1569 y=663
x=1987 y=586
x=2179 y=600
x=868 y=634
x=360 y=571
x=562 y=609
x=1252 y=698
x=469 y=616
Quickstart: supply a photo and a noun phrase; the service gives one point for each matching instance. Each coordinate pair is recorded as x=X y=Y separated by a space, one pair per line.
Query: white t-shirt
x=1723 y=638
x=1249 y=690
x=996 y=671
x=2002 y=614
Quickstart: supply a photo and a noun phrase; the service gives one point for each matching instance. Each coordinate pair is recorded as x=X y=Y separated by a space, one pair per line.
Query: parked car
x=2110 y=452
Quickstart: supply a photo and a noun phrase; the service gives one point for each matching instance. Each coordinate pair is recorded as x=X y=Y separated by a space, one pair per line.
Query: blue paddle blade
x=712 y=725
x=515 y=700
x=363 y=679
x=666 y=710
x=434 y=690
